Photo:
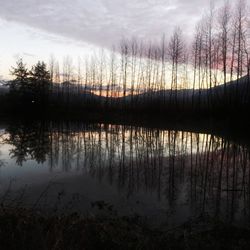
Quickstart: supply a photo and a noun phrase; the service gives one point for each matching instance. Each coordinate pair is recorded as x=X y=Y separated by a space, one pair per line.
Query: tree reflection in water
x=207 y=172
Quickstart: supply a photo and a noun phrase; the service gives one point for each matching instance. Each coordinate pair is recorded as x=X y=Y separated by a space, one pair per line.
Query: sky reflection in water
x=156 y=173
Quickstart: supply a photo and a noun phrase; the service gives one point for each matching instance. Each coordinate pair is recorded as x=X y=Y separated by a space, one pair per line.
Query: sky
x=36 y=29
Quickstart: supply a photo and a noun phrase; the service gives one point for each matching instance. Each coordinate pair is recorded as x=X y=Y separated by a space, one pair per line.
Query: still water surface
x=165 y=175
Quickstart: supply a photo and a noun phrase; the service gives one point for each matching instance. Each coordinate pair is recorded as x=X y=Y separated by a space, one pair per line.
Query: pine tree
x=21 y=80
x=40 y=82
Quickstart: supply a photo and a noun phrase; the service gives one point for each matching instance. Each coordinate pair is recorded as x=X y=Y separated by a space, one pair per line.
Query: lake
x=168 y=176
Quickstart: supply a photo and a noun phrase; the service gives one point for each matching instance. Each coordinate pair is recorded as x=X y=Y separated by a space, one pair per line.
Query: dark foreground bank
x=23 y=229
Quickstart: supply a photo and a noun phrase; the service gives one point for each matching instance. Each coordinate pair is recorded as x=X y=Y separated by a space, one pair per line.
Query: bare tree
x=175 y=51
x=224 y=16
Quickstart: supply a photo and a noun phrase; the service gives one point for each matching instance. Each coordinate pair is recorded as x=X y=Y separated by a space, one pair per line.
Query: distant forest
x=210 y=75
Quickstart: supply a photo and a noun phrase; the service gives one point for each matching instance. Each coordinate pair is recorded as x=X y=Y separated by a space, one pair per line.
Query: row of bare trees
x=170 y=73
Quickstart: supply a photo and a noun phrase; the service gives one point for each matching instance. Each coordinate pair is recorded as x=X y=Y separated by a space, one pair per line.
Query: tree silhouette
x=40 y=83
x=21 y=81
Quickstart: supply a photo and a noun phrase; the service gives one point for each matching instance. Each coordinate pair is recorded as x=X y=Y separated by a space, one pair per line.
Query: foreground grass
x=24 y=229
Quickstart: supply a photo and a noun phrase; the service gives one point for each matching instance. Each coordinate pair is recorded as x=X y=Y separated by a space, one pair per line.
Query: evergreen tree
x=21 y=80
x=40 y=82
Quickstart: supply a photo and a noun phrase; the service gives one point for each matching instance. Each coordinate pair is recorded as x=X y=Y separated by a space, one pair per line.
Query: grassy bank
x=24 y=229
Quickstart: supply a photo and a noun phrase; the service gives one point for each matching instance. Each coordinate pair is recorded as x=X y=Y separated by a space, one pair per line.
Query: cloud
x=105 y=22
x=28 y=54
